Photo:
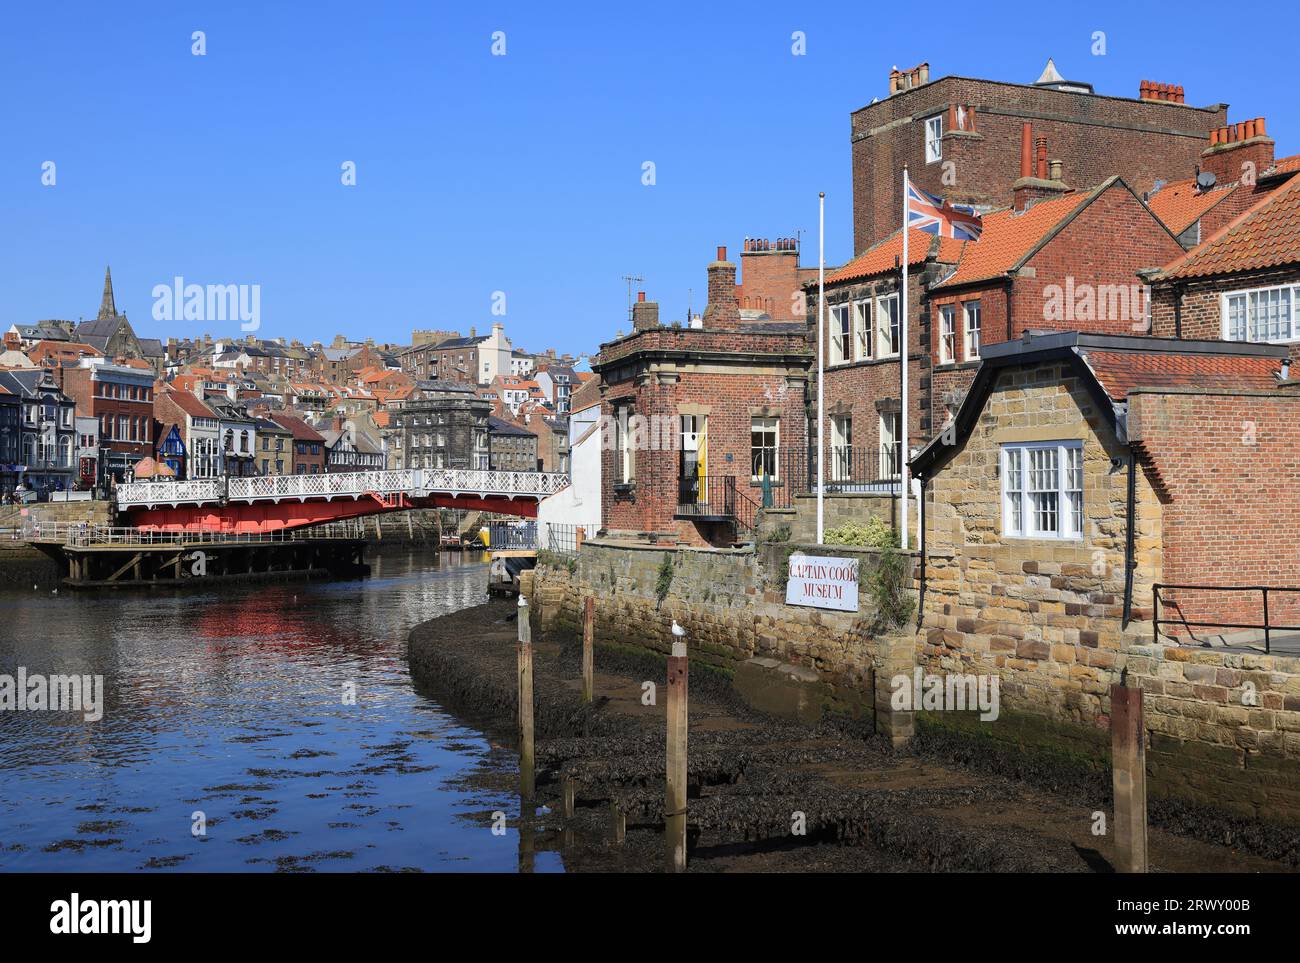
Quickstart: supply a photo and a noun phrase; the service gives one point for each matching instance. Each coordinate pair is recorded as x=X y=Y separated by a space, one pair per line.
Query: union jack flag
x=931 y=214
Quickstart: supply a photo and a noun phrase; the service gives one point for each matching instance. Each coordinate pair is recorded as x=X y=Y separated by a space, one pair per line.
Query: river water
x=229 y=711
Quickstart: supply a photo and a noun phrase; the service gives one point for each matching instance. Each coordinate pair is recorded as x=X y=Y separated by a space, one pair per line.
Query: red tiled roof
x=1179 y=204
x=1121 y=371
x=1264 y=236
x=1284 y=165
x=191 y=405
x=880 y=258
x=1007 y=236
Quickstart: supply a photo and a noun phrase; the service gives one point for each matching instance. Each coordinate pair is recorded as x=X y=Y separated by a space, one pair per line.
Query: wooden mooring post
x=525 y=701
x=675 y=788
x=1129 y=762
x=588 y=644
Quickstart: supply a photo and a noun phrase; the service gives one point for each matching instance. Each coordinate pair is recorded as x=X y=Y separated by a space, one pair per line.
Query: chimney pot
x=722 y=252
x=1026 y=150
x=1054 y=170
x=1042 y=158
x=1259 y=127
x=1249 y=130
x=640 y=296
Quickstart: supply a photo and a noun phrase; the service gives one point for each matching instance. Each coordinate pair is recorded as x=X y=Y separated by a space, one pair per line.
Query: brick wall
x=1095 y=137
x=1227 y=466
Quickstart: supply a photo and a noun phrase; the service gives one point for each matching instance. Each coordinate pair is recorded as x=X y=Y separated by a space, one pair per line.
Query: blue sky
x=478 y=173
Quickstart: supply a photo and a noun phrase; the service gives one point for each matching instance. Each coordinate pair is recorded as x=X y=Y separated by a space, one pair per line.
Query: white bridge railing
x=413 y=482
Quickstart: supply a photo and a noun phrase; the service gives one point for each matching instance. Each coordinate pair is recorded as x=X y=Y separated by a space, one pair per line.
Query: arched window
x=65 y=452
x=230 y=439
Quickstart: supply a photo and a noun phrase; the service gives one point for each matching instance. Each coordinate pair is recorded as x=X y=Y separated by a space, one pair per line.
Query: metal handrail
x=1267 y=626
x=416 y=482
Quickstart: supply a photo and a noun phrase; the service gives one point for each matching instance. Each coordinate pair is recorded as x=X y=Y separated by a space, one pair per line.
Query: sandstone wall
x=732 y=605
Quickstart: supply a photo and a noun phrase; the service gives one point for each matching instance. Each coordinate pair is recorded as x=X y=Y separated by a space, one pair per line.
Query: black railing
x=716 y=498
x=848 y=469
x=1177 y=603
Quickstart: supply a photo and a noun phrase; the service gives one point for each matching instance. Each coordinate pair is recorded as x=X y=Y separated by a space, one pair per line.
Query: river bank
x=755 y=780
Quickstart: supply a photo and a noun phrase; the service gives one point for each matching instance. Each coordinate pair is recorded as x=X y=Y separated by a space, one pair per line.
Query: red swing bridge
x=267 y=504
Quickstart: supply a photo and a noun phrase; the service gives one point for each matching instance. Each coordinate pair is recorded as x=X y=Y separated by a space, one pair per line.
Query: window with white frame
x=947 y=334
x=841 y=447
x=888 y=332
x=861 y=330
x=1263 y=314
x=971 y=327
x=1042 y=489
x=840 y=350
x=934 y=139
x=891 y=444
x=764 y=440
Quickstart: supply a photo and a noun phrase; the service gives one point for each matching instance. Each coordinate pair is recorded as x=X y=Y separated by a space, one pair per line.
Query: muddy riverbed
x=768 y=795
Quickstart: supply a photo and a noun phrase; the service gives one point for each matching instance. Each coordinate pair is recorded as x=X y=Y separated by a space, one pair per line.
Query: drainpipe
x=1130 y=525
x=920 y=542
x=1178 y=311
x=1010 y=327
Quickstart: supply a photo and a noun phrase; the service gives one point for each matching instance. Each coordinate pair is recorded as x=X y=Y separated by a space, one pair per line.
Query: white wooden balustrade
x=413 y=482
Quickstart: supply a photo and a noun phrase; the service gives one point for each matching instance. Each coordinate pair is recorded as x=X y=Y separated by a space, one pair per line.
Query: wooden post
x=675 y=795
x=525 y=701
x=617 y=822
x=527 y=835
x=1128 y=759
x=588 y=643
x=569 y=787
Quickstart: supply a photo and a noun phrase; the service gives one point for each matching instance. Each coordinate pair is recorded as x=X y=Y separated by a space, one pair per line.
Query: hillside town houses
x=83 y=403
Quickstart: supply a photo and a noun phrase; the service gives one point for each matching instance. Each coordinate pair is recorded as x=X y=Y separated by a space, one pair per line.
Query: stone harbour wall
x=732 y=605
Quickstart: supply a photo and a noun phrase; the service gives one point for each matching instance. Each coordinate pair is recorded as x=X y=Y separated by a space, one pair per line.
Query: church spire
x=107 y=309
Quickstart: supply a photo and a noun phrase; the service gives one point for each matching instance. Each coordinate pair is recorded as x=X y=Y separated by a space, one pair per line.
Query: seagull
x=678 y=630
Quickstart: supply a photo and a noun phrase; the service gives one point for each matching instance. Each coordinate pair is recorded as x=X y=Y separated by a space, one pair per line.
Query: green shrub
x=890 y=587
x=665 y=580
x=873 y=533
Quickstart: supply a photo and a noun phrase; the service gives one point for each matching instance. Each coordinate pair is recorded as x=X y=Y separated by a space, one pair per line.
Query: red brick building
x=1052 y=264
x=960 y=139
x=120 y=398
x=697 y=416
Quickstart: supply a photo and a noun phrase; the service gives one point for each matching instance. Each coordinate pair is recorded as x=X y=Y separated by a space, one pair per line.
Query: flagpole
x=902 y=354
x=821 y=367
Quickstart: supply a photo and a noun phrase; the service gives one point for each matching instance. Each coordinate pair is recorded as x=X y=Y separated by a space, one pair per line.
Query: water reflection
x=230 y=708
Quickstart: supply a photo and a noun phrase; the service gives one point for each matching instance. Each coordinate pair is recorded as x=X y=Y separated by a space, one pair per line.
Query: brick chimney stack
x=1039 y=177
x=1169 y=93
x=1233 y=147
x=645 y=314
x=722 y=311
